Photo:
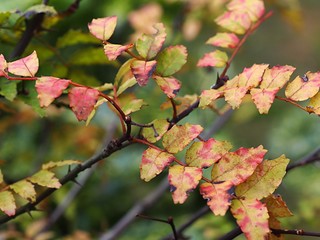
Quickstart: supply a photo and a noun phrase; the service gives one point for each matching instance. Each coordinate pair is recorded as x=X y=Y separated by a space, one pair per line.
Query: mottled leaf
x=217 y=196
x=303 y=88
x=216 y=58
x=182 y=181
x=112 y=51
x=7 y=203
x=160 y=126
x=277 y=207
x=171 y=60
x=252 y=76
x=45 y=178
x=25 y=189
x=169 y=85
x=235 y=21
x=276 y=77
x=252 y=217
x=263 y=98
x=103 y=28
x=254 y=8
x=208 y=96
x=203 y=154
x=49 y=88
x=143 y=70
x=82 y=101
x=3 y=65
x=149 y=45
x=153 y=163
x=235 y=95
x=50 y=165
x=265 y=179
x=314 y=104
x=178 y=137
x=27 y=66
x=239 y=165
x=226 y=40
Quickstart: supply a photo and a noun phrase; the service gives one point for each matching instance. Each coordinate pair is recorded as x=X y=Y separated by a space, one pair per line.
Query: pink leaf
x=276 y=77
x=182 y=180
x=235 y=21
x=169 y=85
x=27 y=66
x=216 y=58
x=217 y=196
x=103 y=28
x=3 y=65
x=154 y=162
x=49 y=88
x=143 y=70
x=208 y=96
x=263 y=98
x=82 y=101
x=112 y=51
x=254 y=8
x=226 y=40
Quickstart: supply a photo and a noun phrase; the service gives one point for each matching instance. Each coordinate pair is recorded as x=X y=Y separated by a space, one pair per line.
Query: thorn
x=76 y=182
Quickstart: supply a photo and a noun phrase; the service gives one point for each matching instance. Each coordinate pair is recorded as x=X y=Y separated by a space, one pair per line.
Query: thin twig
x=311 y=158
x=298 y=232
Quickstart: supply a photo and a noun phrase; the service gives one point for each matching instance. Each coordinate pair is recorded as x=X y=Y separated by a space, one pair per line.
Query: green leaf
x=8 y=89
x=160 y=125
x=7 y=203
x=45 y=178
x=40 y=8
x=133 y=106
x=126 y=84
x=265 y=179
x=149 y=45
x=73 y=37
x=90 y=56
x=25 y=189
x=153 y=163
x=178 y=137
x=171 y=60
x=4 y=16
x=122 y=72
x=50 y=165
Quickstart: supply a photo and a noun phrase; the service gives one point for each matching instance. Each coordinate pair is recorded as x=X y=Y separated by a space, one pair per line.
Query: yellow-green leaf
x=7 y=203
x=25 y=189
x=160 y=126
x=45 y=178
x=51 y=165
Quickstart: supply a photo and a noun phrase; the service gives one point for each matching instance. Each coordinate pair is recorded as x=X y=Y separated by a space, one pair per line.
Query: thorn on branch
x=220 y=81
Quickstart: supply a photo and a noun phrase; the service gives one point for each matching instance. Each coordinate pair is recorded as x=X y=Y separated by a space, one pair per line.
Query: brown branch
x=298 y=232
x=311 y=158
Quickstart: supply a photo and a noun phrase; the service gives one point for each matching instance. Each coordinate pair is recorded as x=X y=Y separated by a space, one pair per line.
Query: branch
x=311 y=158
x=298 y=232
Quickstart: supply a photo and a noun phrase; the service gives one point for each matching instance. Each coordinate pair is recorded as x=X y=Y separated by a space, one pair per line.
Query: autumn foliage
x=241 y=180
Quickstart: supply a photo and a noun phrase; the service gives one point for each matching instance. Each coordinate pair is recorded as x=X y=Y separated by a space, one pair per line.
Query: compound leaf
x=153 y=163
x=205 y=153
x=217 y=196
x=82 y=101
x=154 y=134
x=252 y=217
x=27 y=66
x=171 y=60
x=49 y=88
x=182 y=181
x=178 y=137
x=143 y=70
x=265 y=179
x=169 y=85
x=216 y=58
x=7 y=203
x=239 y=165
x=25 y=189
x=45 y=178
x=103 y=28
x=226 y=40
x=149 y=45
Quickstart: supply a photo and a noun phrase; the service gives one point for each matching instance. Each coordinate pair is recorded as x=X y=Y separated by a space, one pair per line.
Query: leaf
x=45 y=178
x=126 y=84
x=226 y=40
x=143 y=70
x=93 y=112
x=235 y=21
x=25 y=189
x=8 y=89
x=149 y=45
x=89 y=56
x=74 y=37
x=133 y=106
x=3 y=65
x=169 y=85
x=263 y=98
x=112 y=51
x=276 y=77
x=217 y=196
x=1 y=177
x=178 y=137
x=208 y=96
x=123 y=72
x=82 y=101
x=39 y=8
x=252 y=217
x=301 y=89
x=103 y=28
x=314 y=104
x=205 y=153
x=234 y=96
x=216 y=58
x=171 y=60
x=277 y=207
x=238 y=166
x=265 y=179
x=182 y=181
x=254 y=8
x=153 y=163
x=27 y=66
x=160 y=125
x=7 y=203
x=49 y=88
x=50 y=165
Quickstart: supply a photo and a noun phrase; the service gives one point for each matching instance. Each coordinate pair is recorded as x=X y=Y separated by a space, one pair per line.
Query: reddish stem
x=292 y=102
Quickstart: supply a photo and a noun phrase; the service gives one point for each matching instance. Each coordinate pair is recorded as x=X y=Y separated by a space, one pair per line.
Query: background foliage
x=290 y=37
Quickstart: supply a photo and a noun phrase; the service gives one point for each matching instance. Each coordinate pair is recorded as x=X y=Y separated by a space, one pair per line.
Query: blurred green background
x=291 y=36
